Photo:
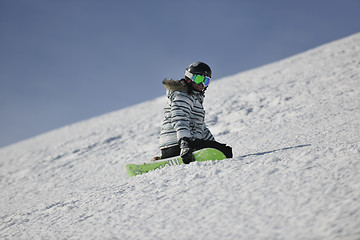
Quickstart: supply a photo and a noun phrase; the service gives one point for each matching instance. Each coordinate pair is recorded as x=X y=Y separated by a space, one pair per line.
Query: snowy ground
x=294 y=126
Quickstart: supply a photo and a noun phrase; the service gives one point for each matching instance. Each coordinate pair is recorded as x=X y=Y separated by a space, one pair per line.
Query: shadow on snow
x=276 y=150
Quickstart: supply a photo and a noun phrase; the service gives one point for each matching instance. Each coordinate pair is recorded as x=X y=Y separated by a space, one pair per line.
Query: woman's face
x=198 y=87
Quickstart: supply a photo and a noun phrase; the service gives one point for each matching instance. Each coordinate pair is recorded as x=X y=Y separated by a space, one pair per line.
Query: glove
x=186 y=152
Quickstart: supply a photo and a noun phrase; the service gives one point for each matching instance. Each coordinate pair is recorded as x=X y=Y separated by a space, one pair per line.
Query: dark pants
x=197 y=144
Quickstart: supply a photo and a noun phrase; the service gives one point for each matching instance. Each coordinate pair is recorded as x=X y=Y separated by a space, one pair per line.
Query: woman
x=183 y=128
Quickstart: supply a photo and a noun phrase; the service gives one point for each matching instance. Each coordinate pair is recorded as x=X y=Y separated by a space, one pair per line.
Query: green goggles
x=198 y=79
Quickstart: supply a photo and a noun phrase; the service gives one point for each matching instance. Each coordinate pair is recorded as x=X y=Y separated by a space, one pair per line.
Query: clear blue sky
x=62 y=61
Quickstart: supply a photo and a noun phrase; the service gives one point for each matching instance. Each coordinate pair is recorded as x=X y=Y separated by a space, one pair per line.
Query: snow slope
x=294 y=127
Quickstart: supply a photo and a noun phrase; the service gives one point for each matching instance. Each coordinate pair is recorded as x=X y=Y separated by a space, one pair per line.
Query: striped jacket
x=184 y=115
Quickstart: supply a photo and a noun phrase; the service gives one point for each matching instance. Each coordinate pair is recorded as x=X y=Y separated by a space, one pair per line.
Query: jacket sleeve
x=181 y=106
x=208 y=135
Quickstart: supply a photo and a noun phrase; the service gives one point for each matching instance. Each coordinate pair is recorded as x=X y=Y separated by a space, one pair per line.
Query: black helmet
x=199 y=68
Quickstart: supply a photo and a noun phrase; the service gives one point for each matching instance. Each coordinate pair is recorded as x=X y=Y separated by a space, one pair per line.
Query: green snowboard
x=205 y=154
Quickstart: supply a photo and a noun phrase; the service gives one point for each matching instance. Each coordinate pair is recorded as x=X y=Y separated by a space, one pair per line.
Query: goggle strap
x=189 y=74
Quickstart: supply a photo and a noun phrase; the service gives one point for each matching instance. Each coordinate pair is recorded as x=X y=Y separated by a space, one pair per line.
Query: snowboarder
x=183 y=129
